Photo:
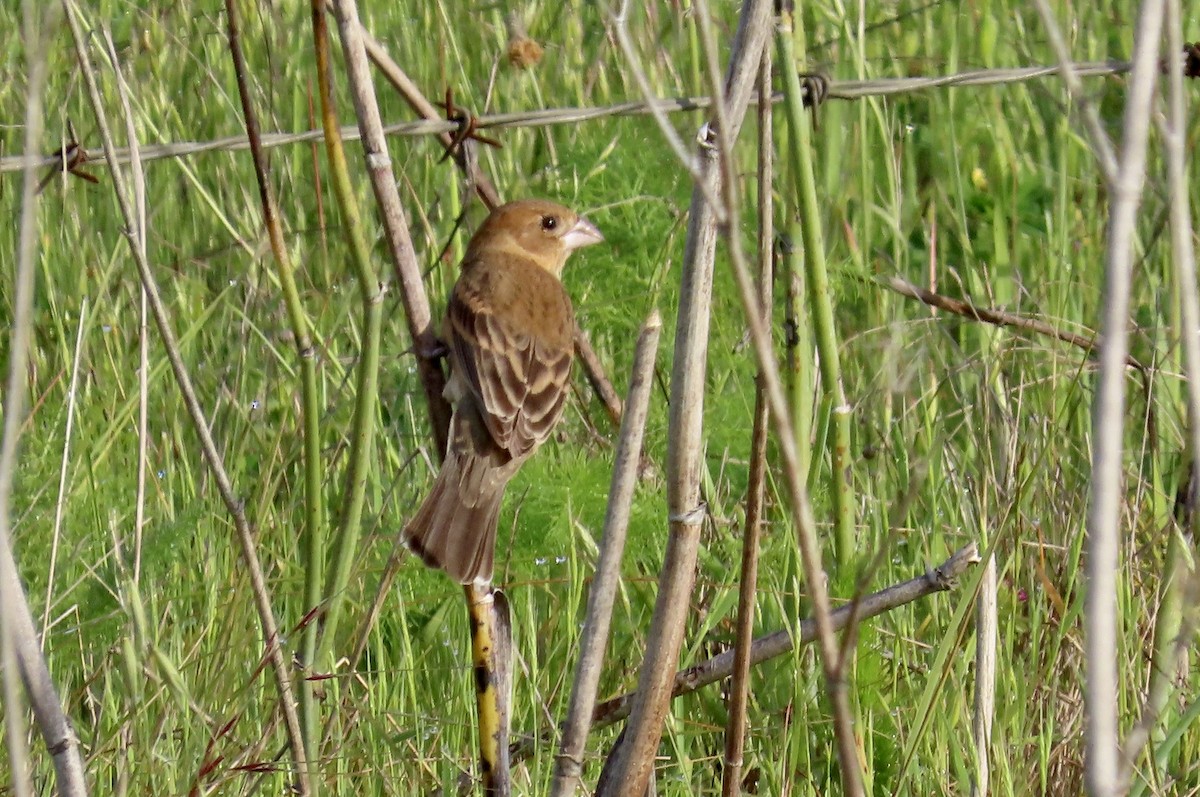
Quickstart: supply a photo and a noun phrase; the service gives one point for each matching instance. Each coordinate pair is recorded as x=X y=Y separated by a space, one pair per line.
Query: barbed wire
x=828 y=90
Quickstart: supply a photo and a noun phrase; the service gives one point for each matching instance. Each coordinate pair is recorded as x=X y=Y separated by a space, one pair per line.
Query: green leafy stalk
x=818 y=291
x=799 y=339
x=314 y=505
x=363 y=427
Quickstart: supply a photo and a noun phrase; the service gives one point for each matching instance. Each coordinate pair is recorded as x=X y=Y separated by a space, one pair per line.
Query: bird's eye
x=549 y=223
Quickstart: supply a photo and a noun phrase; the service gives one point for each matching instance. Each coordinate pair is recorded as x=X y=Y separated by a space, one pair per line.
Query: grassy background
x=961 y=432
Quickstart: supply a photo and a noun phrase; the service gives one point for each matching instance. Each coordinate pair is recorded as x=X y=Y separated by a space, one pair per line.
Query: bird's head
x=544 y=231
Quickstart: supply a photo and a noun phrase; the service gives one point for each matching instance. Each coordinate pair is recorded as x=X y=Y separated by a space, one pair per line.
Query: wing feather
x=519 y=381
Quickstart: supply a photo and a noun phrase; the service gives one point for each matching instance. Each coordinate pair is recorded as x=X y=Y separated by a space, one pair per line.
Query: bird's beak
x=584 y=233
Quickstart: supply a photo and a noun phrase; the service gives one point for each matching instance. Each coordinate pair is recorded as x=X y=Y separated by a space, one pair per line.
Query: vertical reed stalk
x=1125 y=175
x=20 y=649
x=491 y=659
x=798 y=329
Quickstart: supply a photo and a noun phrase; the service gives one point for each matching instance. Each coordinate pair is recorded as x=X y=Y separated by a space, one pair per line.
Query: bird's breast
x=526 y=298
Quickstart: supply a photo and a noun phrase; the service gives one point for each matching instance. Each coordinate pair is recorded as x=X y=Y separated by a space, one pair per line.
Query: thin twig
x=1000 y=318
x=985 y=674
x=690 y=162
x=569 y=762
x=138 y=176
x=383 y=182
x=234 y=505
x=13 y=601
x=594 y=371
x=777 y=643
x=1102 y=146
x=64 y=467
x=739 y=697
x=417 y=101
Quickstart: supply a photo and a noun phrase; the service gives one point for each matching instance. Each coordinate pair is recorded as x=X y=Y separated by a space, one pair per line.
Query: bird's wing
x=519 y=381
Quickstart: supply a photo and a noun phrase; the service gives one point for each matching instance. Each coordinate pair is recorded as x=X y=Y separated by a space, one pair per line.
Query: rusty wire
x=833 y=90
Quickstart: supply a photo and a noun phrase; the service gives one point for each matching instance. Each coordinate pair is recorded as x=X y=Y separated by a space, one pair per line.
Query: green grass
x=986 y=432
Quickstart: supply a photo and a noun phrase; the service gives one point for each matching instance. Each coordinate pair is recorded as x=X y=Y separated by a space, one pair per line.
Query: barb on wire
x=1190 y=61
x=468 y=127
x=70 y=159
x=814 y=90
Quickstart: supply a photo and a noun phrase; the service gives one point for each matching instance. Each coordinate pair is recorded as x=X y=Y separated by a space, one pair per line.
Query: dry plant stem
x=739 y=698
x=1172 y=634
x=233 y=504
x=594 y=372
x=417 y=101
x=367 y=383
x=985 y=674
x=131 y=598
x=1126 y=177
x=383 y=182
x=692 y=164
x=63 y=468
x=1106 y=156
x=139 y=519
x=939 y=579
x=491 y=656
x=490 y=631
x=20 y=649
x=999 y=318
x=14 y=701
x=635 y=758
x=569 y=762
x=138 y=179
x=816 y=278
x=372 y=131
x=314 y=510
x=942 y=578
x=138 y=175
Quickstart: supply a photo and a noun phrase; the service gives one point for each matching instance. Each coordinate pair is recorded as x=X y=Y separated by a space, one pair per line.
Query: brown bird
x=510 y=330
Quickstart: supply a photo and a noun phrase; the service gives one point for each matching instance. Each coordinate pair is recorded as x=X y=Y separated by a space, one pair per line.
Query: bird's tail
x=455 y=528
